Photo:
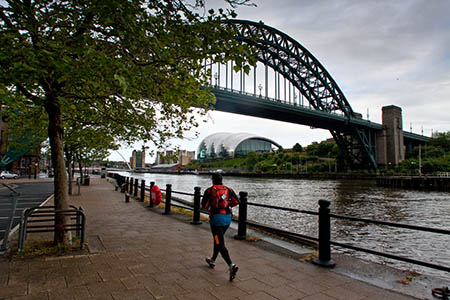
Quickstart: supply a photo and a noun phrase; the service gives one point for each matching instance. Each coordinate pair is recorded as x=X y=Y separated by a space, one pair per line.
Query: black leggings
x=218 y=233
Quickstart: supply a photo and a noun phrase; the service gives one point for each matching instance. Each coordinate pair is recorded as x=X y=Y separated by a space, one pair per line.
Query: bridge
x=305 y=93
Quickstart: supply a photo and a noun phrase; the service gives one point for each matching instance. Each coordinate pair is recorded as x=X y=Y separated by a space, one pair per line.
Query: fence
x=324 y=223
x=46 y=216
x=9 y=219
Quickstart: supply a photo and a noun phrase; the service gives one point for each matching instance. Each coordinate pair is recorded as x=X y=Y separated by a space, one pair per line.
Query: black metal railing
x=45 y=217
x=324 y=223
x=12 y=206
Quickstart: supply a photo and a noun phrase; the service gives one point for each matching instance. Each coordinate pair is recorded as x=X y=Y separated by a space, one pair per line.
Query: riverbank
x=438 y=183
x=425 y=182
x=139 y=253
x=325 y=176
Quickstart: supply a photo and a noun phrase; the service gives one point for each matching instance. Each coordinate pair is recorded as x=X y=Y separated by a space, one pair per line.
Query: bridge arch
x=289 y=58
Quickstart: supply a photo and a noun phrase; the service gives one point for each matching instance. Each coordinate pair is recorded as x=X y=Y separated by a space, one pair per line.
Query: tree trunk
x=55 y=134
x=80 y=168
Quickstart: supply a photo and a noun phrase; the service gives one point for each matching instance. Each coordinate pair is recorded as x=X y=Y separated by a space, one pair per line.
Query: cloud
x=379 y=52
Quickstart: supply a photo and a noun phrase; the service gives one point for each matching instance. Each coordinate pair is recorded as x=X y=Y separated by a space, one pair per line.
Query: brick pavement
x=138 y=253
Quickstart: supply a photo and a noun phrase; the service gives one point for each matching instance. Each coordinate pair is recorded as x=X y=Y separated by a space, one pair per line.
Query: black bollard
x=196 y=217
x=242 y=223
x=324 y=259
x=142 y=197
x=168 y=199
x=130 y=191
x=136 y=185
x=127 y=186
x=150 y=203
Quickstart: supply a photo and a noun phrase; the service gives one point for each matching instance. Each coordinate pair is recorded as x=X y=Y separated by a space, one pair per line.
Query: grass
x=46 y=248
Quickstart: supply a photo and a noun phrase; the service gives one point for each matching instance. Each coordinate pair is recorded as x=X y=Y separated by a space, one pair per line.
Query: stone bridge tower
x=390 y=144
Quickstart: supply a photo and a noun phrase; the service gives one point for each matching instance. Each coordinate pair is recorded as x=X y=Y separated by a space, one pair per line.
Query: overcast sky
x=379 y=52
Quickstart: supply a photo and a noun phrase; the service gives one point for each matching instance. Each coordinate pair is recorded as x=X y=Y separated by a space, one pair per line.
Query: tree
x=252 y=159
x=134 y=67
x=297 y=148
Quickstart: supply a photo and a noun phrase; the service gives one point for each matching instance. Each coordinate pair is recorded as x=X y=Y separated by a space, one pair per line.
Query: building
x=137 y=159
x=228 y=145
x=182 y=157
x=21 y=157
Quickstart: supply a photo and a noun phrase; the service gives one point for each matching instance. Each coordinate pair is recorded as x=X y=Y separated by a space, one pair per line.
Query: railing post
x=150 y=203
x=196 y=217
x=78 y=221
x=131 y=186
x=136 y=185
x=142 y=197
x=168 y=199
x=242 y=223
x=324 y=259
x=127 y=186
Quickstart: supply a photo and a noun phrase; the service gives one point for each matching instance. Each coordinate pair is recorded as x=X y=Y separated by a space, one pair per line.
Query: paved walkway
x=138 y=253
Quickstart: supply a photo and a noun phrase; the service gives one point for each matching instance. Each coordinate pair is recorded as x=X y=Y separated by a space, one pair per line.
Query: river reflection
x=359 y=198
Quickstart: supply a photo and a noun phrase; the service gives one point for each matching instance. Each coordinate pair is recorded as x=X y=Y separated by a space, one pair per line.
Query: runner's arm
x=206 y=198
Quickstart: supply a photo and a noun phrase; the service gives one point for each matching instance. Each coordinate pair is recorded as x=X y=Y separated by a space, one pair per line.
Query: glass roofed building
x=227 y=145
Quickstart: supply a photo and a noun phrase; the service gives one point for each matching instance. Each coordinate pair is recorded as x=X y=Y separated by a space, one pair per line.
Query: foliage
x=434 y=158
x=133 y=69
x=45 y=248
x=297 y=148
x=274 y=163
x=323 y=149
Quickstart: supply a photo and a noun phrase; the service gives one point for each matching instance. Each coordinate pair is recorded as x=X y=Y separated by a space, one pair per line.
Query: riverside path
x=138 y=253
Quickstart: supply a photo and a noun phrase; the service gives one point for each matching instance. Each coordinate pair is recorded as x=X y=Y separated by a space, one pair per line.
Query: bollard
x=196 y=217
x=242 y=223
x=136 y=185
x=127 y=184
x=131 y=186
x=127 y=197
x=168 y=199
x=78 y=231
x=150 y=203
x=142 y=198
x=324 y=259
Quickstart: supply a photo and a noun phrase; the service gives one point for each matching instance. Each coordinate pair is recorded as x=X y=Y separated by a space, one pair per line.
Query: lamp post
x=260 y=89
x=420 y=160
x=36 y=164
x=216 y=77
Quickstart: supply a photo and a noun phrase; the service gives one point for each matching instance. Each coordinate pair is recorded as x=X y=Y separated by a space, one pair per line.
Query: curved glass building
x=227 y=145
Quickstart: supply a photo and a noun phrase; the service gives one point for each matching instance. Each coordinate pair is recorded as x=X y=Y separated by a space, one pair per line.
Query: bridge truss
x=296 y=64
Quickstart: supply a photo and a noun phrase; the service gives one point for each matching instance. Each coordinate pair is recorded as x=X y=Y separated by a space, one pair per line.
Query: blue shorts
x=220 y=220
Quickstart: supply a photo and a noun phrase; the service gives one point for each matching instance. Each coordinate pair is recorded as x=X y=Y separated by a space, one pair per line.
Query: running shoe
x=210 y=262
x=233 y=271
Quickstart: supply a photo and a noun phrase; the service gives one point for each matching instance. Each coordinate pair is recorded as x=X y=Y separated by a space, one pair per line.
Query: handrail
x=13 y=196
x=392 y=224
x=324 y=238
x=284 y=208
x=392 y=256
x=73 y=212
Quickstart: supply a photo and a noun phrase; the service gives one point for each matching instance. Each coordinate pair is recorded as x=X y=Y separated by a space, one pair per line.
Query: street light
x=36 y=164
x=260 y=89
x=216 y=77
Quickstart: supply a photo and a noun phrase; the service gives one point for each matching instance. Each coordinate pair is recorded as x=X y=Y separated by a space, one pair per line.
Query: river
x=359 y=198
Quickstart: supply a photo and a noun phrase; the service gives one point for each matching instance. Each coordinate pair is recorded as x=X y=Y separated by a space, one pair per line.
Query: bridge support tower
x=390 y=143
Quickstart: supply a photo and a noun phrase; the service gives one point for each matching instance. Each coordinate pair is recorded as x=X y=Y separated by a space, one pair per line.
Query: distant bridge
x=362 y=142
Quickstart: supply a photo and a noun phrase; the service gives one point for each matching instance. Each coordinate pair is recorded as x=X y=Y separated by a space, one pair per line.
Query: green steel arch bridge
x=304 y=93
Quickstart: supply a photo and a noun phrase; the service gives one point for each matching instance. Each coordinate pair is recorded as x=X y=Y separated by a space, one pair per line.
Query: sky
x=380 y=52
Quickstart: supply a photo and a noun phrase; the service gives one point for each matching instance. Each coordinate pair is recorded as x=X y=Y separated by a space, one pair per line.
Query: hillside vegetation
x=325 y=157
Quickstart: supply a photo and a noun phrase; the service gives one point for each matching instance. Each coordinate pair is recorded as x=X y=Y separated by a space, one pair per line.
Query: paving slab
x=138 y=253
